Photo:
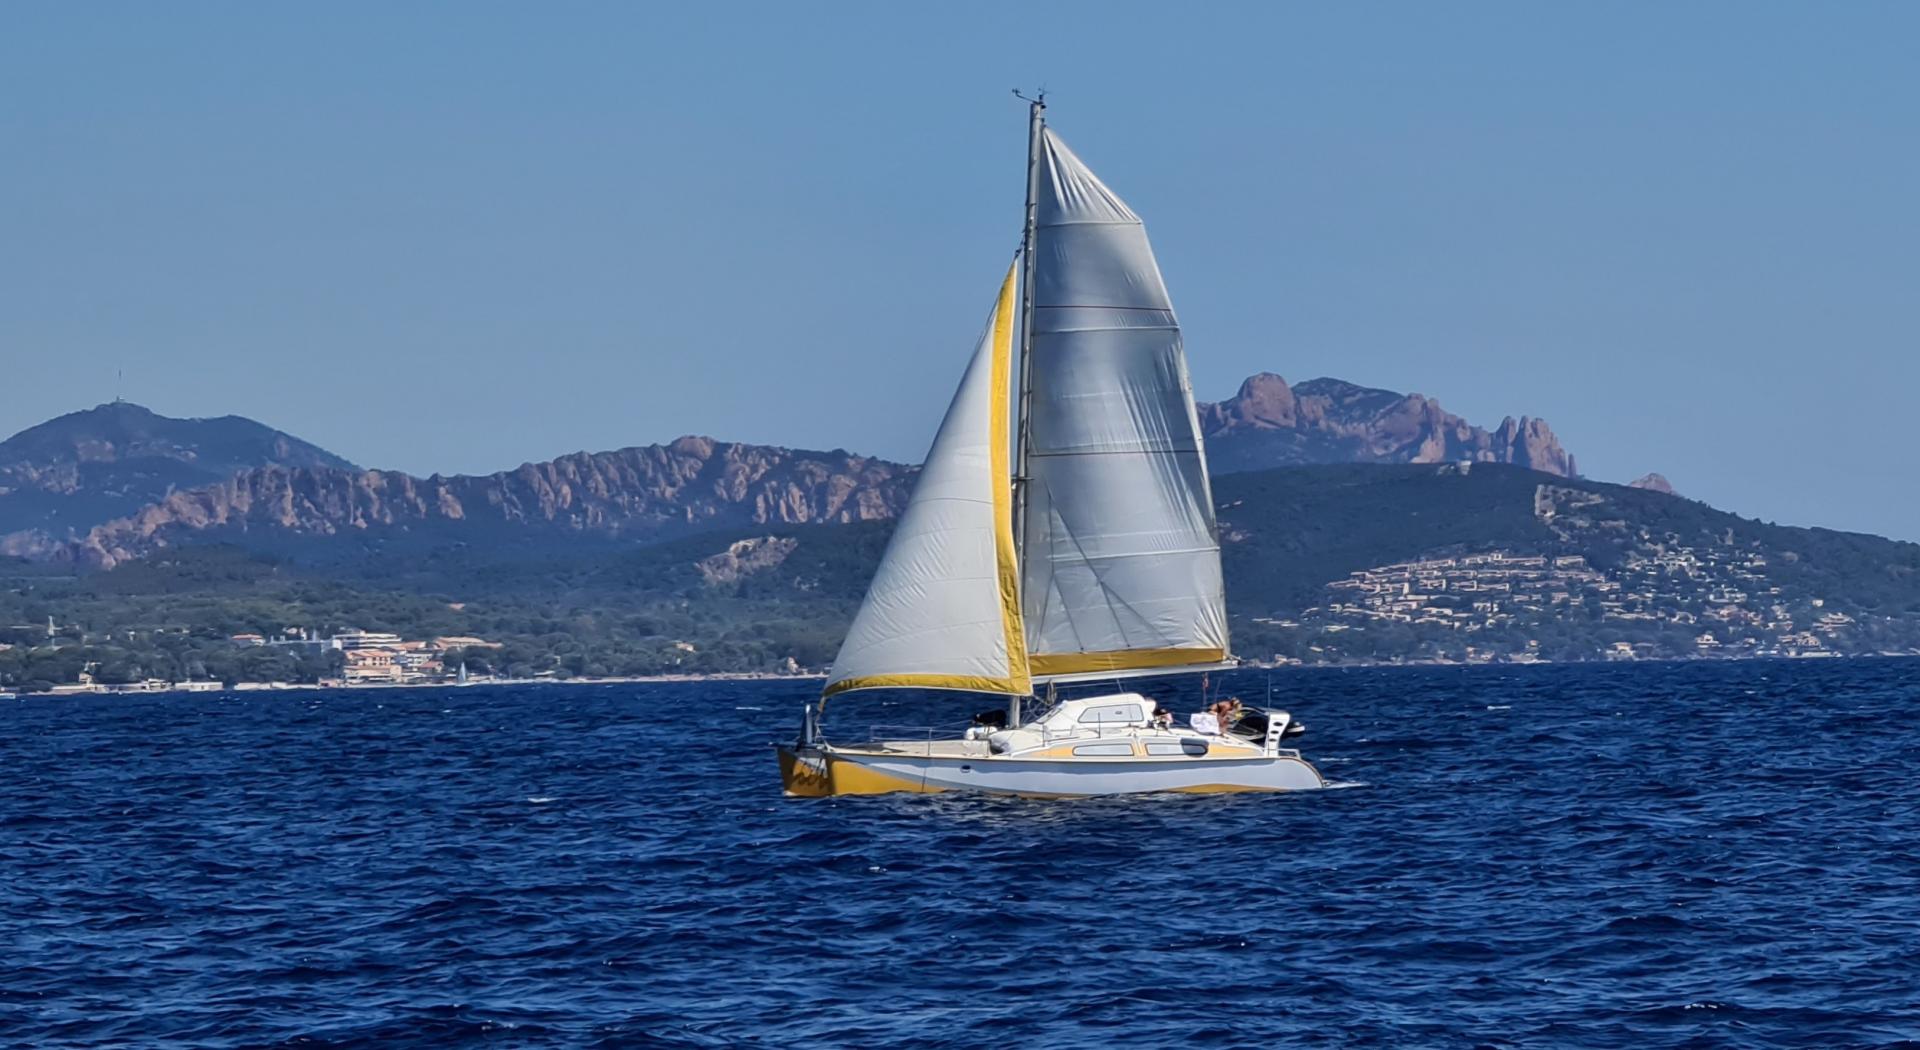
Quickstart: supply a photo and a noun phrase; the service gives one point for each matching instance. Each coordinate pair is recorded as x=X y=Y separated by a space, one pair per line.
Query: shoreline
x=199 y=688
x=208 y=688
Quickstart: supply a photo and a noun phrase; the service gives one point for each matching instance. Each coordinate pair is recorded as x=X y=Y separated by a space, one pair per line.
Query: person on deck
x=1226 y=713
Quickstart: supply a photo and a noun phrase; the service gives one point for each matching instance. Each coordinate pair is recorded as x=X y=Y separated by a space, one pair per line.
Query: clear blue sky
x=461 y=237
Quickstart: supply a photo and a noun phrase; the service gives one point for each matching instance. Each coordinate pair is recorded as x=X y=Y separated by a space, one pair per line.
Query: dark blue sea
x=1691 y=855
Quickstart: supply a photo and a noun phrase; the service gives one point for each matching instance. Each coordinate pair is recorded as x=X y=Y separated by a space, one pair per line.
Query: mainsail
x=943 y=609
x=1117 y=567
x=1120 y=556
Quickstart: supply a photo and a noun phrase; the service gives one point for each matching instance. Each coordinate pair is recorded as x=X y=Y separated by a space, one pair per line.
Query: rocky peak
x=1268 y=424
x=1353 y=400
x=1264 y=401
x=1653 y=483
x=1531 y=443
x=693 y=446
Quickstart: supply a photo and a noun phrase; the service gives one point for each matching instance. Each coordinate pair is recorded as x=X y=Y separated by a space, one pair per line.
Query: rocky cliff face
x=63 y=476
x=652 y=492
x=745 y=557
x=1270 y=424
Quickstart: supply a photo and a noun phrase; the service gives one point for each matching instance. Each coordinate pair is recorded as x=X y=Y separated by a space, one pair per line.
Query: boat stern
x=803 y=771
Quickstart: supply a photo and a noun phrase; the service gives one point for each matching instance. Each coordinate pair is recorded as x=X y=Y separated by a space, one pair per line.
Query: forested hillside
x=1309 y=553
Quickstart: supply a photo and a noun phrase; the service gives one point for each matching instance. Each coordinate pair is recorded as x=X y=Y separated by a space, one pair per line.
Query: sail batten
x=1120 y=557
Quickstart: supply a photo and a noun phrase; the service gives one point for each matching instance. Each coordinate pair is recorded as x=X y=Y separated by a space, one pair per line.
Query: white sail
x=943 y=610
x=1120 y=558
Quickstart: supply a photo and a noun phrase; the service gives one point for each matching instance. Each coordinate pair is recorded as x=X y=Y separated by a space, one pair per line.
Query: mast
x=1036 y=119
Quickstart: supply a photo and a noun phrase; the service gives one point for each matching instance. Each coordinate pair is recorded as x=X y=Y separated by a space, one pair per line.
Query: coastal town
x=381 y=658
x=340 y=659
x=68 y=660
x=1663 y=600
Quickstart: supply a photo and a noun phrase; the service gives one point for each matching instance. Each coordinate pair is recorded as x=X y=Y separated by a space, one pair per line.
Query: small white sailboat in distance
x=1085 y=552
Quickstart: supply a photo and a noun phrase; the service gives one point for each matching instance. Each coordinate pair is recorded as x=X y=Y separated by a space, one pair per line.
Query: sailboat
x=1061 y=533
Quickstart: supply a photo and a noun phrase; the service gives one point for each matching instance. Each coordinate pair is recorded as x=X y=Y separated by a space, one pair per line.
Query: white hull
x=828 y=770
x=1085 y=776
x=1096 y=746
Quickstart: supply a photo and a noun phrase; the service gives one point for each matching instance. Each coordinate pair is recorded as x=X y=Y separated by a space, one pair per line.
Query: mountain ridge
x=647 y=492
x=235 y=480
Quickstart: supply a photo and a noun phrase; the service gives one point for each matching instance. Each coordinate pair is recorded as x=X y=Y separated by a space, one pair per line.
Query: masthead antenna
x=1039 y=98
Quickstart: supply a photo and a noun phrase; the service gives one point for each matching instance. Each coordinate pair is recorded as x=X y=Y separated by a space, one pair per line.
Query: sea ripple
x=1667 y=855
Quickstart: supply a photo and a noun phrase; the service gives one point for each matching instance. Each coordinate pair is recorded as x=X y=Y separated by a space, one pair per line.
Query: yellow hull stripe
x=1122 y=660
x=852 y=778
x=998 y=430
x=821 y=775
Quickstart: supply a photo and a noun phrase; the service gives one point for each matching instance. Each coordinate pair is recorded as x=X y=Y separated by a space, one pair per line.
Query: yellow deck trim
x=1122 y=660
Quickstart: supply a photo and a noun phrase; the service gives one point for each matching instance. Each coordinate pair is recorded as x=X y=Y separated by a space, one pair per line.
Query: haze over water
x=1662 y=855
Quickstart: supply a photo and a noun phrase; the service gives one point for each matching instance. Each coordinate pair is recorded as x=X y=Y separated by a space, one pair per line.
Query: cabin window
x=1103 y=749
x=1187 y=746
x=1114 y=714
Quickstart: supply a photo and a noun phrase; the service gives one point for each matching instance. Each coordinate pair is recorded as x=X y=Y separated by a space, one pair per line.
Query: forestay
x=943 y=609
x=1120 y=557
